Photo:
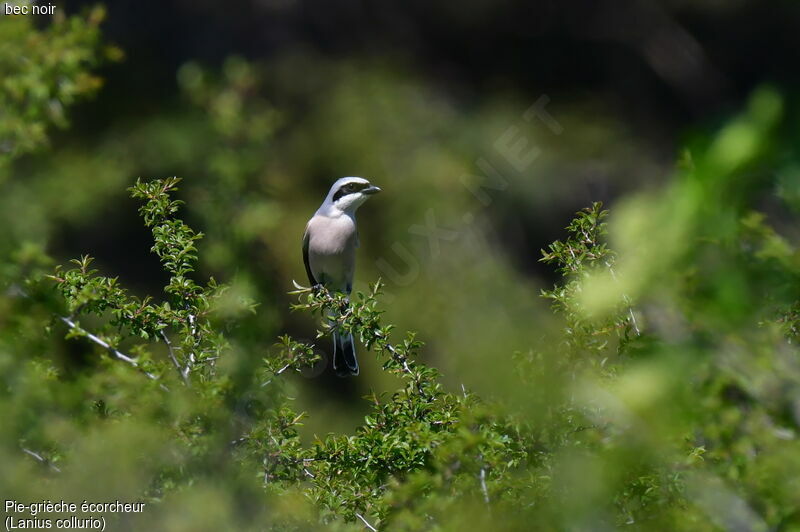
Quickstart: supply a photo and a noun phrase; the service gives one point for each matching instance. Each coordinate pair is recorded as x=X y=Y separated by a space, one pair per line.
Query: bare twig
x=366 y=523
x=284 y=368
x=403 y=359
x=300 y=288
x=188 y=367
x=17 y=291
x=191 y=359
x=41 y=459
x=483 y=486
x=633 y=321
x=627 y=301
x=399 y=358
x=119 y=355
x=174 y=359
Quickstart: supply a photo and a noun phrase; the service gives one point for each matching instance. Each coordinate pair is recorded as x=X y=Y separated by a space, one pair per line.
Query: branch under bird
x=329 y=253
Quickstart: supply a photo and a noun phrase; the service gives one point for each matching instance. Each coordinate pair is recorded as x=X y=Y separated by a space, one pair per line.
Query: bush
x=605 y=447
x=660 y=394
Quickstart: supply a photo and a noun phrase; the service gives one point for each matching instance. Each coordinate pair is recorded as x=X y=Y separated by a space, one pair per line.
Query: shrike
x=329 y=253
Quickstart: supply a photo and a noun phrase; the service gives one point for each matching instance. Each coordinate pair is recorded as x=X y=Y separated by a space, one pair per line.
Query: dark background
x=660 y=65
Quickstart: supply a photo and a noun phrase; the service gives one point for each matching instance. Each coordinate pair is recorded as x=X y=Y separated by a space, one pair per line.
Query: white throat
x=344 y=205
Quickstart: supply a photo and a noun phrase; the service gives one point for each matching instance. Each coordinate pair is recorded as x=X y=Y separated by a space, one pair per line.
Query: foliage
x=422 y=451
x=447 y=440
x=187 y=311
x=419 y=428
x=581 y=255
x=43 y=72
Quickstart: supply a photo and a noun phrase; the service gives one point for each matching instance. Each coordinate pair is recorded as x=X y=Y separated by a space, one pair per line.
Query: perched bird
x=329 y=253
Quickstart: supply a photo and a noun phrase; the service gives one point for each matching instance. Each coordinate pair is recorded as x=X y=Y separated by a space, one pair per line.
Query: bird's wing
x=305 y=259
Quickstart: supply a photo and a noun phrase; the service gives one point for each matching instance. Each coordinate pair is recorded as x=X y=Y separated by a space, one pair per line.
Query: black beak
x=371 y=190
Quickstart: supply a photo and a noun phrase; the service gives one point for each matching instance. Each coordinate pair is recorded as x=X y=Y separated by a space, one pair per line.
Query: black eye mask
x=349 y=188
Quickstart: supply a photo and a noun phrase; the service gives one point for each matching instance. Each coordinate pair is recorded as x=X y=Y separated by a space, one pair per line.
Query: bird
x=329 y=253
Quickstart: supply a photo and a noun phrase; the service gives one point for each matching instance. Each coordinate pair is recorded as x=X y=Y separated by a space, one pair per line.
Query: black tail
x=344 y=354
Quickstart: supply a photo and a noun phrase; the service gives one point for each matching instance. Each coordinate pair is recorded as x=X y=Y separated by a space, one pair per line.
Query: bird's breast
x=331 y=251
x=331 y=236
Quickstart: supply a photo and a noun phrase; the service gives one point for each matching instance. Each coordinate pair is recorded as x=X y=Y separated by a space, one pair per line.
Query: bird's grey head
x=348 y=193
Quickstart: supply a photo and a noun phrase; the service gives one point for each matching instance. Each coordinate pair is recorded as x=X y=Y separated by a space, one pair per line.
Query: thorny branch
x=384 y=345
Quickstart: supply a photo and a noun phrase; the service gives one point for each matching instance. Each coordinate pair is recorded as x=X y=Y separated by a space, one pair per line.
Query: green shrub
x=660 y=395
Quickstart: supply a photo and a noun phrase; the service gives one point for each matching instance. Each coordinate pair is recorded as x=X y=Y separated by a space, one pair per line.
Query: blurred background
x=486 y=123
